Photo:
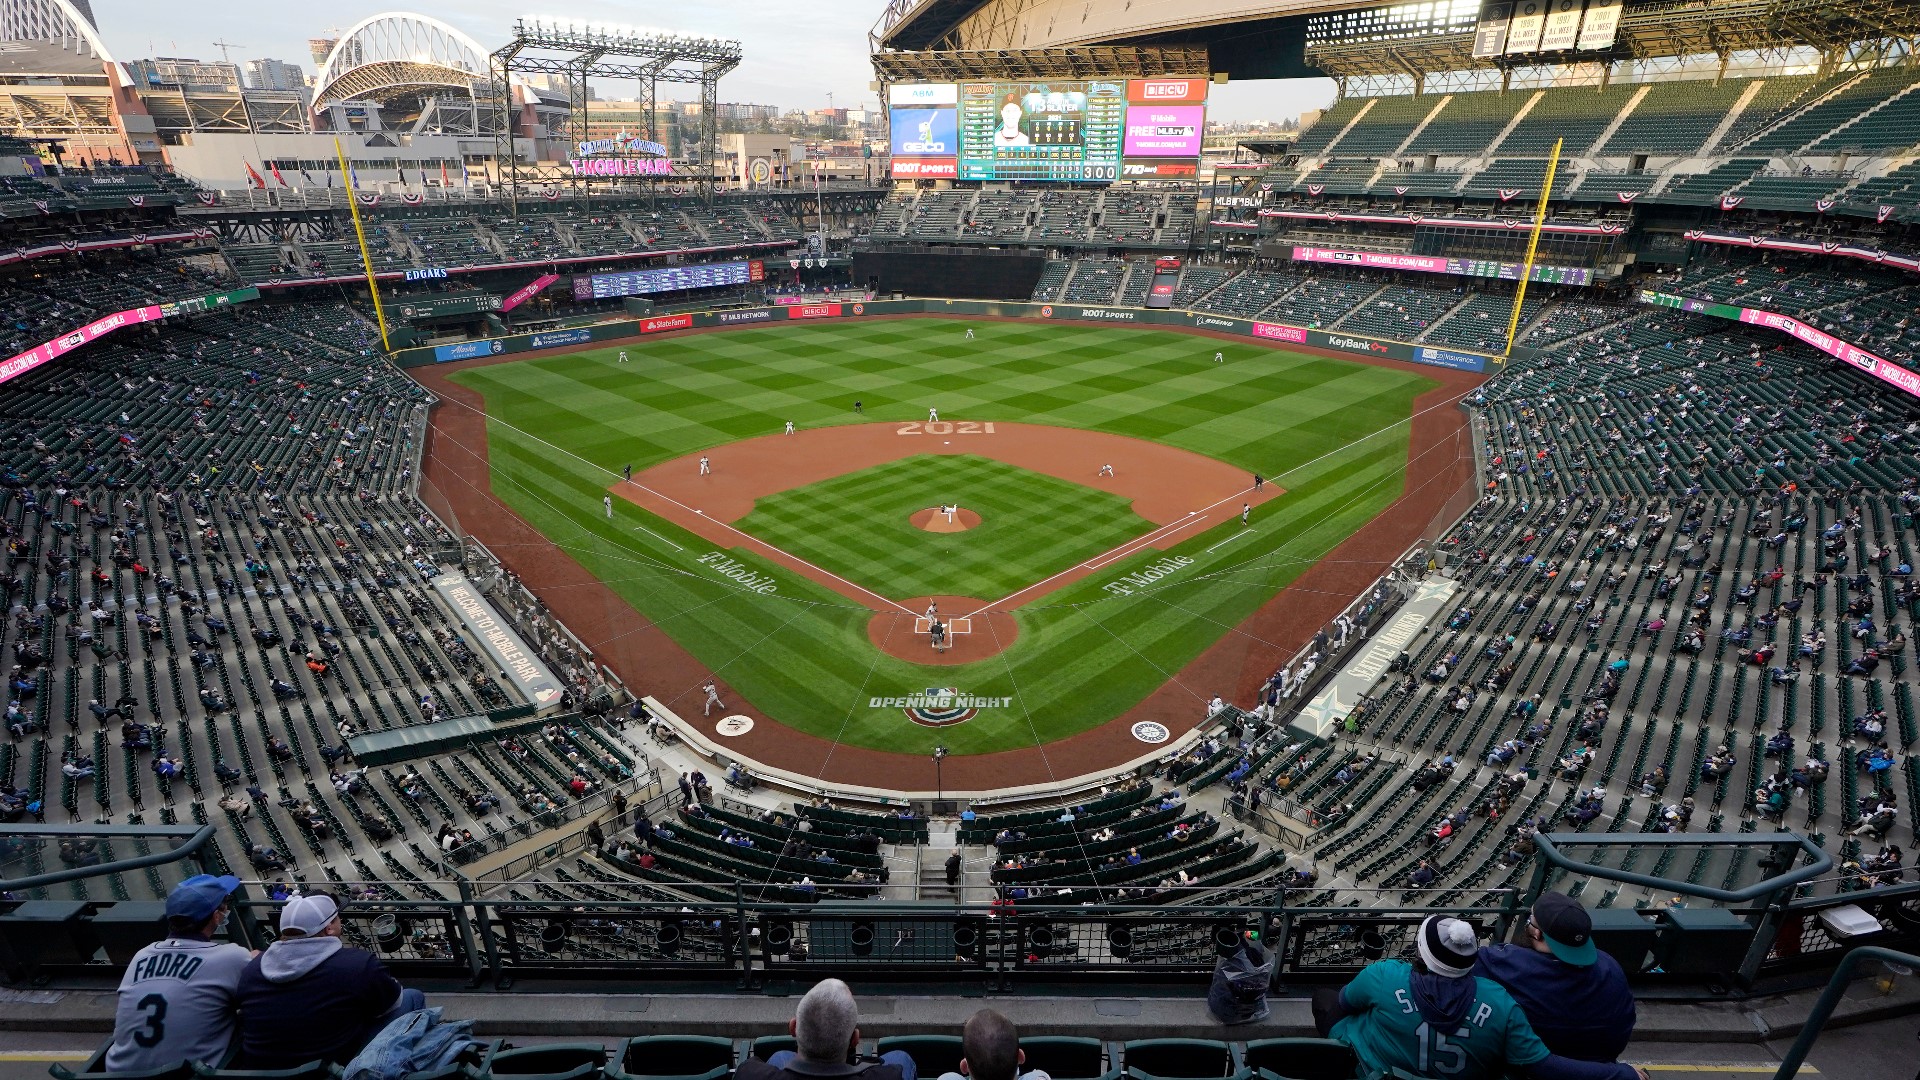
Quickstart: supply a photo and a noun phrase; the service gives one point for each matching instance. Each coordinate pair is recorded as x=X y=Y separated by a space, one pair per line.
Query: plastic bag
x=1240 y=980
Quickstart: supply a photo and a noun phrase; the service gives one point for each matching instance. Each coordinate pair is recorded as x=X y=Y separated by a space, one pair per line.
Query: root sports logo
x=940 y=706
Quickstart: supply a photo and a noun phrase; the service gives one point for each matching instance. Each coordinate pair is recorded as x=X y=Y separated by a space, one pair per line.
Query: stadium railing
x=1760 y=936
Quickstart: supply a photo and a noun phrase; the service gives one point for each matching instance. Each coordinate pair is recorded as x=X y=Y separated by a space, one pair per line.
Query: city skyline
x=794 y=64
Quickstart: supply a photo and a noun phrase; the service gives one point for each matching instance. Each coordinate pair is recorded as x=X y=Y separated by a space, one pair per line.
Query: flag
x=329 y=181
x=274 y=168
x=307 y=176
x=443 y=174
x=254 y=179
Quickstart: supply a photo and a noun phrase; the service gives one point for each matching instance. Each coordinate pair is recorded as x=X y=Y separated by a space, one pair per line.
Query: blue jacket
x=1584 y=1013
x=308 y=998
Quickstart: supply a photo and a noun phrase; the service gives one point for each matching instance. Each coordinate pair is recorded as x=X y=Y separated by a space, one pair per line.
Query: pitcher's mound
x=934 y=519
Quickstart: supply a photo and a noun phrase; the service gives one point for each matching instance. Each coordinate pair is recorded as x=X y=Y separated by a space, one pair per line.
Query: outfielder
x=706 y=468
x=713 y=700
x=607 y=501
x=623 y=356
x=1219 y=359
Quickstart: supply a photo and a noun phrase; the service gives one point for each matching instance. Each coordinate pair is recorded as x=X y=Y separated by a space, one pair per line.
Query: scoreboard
x=1070 y=130
x=667 y=279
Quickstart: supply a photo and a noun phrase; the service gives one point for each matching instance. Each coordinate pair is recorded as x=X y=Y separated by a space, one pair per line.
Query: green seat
x=1301 y=1059
x=673 y=1057
x=97 y=1066
x=1068 y=1057
x=932 y=1054
x=312 y=1070
x=766 y=1046
x=1178 y=1059
x=550 y=1061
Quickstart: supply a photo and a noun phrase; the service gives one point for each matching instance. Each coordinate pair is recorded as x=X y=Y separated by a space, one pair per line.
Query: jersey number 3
x=155 y=1006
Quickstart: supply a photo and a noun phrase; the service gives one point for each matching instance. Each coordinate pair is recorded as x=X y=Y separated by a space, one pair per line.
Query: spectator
x=309 y=998
x=826 y=1026
x=1434 y=1016
x=178 y=996
x=1575 y=996
x=990 y=1050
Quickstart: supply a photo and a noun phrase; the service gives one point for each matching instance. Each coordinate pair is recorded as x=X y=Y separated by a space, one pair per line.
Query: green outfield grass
x=1331 y=432
x=1031 y=526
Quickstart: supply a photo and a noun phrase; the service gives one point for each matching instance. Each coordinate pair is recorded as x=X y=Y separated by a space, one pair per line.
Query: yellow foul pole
x=359 y=231
x=1533 y=245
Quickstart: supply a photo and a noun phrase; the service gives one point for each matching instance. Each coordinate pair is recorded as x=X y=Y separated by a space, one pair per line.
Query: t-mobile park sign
x=621 y=166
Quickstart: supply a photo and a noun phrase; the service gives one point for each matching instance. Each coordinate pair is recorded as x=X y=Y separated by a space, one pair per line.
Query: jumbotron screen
x=1091 y=130
x=667 y=279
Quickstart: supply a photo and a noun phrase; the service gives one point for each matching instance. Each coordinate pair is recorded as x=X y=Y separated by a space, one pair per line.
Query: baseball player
x=1258 y=481
x=1246 y=511
x=950 y=511
x=623 y=356
x=789 y=427
x=933 y=610
x=706 y=468
x=857 y=409
x=933 y=415
x=1217 y=358
x=969 y=333
x=1106 y=470
x=627 y=472
x=177 y=997
x=713 y=700
x=938 y=633
x=607 y=501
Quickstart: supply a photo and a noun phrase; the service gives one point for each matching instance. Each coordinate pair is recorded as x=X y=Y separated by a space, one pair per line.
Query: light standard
x=939 y=787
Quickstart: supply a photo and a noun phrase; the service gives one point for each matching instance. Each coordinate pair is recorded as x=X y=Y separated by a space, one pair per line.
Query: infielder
x=1106 y=470
x=713 y=700
x=933 y=415
x=607 y=501
x=627 y=472
x=1246 y=511
x=789 y=427
x=705 y=467
x=623 y=356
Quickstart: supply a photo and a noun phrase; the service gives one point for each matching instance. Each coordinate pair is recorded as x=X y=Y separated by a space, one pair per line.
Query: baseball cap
x=1566 y=928
x=198 y=897
x=308 y=914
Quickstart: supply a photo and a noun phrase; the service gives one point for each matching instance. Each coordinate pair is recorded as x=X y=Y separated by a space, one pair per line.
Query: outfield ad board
x=1351 y=344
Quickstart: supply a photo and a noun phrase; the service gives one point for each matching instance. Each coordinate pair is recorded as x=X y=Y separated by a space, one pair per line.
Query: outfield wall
x=1278 y=334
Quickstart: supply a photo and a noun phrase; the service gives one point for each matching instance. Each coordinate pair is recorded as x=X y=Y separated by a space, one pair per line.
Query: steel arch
x=56 y=21
x=399 y=48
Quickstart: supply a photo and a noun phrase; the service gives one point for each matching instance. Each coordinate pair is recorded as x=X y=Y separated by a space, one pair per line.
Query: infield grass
x=1333 y=433
x=1031 y=526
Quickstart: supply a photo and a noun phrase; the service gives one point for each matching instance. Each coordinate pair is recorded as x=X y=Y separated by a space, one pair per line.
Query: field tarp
x=1279 y=334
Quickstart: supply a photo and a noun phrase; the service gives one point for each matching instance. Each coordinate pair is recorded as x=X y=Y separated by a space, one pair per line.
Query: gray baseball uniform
x=177 y=1003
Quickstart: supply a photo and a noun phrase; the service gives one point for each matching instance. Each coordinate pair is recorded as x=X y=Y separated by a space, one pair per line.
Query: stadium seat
x=1065 y=1057
x=933 y=1054
x=1301 y=1059
x=673 y=1057
x=1179 y=1059
x=312 y=1070
x=551 y=1061
x=96 y=1066
x=766 y=1046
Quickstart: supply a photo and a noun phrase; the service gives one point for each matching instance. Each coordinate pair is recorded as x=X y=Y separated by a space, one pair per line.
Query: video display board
x=667 y=279
x=1092 y=130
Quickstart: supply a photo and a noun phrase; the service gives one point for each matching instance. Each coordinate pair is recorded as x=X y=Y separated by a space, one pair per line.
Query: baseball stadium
x=511 y=573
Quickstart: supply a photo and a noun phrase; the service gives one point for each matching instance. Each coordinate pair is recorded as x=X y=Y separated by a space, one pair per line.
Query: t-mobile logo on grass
x=719 y=563
x=1146 y=575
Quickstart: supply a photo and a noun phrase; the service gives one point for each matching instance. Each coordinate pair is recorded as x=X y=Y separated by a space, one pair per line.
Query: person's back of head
x=990 y=1046
x=827 y=1023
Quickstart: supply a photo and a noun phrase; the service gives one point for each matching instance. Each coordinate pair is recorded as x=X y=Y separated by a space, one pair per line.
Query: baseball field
x=797 y=569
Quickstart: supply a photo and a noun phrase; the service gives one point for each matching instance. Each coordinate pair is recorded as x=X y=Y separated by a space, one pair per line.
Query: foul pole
x=360 y=232
x=1533 y=245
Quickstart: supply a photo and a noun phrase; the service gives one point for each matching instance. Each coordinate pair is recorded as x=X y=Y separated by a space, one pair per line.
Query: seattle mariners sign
x=940 y=707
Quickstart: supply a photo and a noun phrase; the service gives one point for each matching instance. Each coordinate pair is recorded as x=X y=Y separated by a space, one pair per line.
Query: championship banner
x=1601 y=27
x=1563 y=26
x=528 y=291
x=1490 y=33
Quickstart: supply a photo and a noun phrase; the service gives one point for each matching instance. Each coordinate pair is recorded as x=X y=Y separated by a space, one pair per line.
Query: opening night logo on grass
x=940 y=706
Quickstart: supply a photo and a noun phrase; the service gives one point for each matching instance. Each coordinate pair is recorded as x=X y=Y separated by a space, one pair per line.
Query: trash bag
x=1240 y=980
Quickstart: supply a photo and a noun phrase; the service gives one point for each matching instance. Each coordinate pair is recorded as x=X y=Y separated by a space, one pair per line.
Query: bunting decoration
x=42 y=205
x=209 y=198
x=1626 y=196
x=1400 y=190
x=1729 y=202
x=1829 y=246
x=1823 y=205
x=412 y=199
x=1508 y=194
x=368 y=198
x=550 y=193
x=1883 y=213
x=137 y=200
x=1610 y=229
x=1416 y=218
x=1315 y=189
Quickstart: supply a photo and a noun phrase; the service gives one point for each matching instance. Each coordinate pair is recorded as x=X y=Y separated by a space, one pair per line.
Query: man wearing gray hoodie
x=309 y=998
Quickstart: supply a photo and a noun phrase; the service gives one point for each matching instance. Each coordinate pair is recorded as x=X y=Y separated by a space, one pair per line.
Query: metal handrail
x=194 y=840
x=1829 y=998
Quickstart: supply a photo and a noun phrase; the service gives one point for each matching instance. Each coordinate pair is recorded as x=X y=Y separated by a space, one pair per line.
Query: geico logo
x=923 y=148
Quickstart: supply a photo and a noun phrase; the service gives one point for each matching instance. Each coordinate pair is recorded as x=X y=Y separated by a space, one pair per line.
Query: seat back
x=1302 y=1059
x=680 y=1057
x=551 y=1061
x=1186 y=1059
x=932 y=1054
x=766 y=1046
x=1067 y=1057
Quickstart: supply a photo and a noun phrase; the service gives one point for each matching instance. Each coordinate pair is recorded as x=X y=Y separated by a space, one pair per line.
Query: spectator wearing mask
x=310 y=998
x=826 y=1026
x=990 y=1048
x=1433 y=1017
x=1575 y=996
x=178 y=997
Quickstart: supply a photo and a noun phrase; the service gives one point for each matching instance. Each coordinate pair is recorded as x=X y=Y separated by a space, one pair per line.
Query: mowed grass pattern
x=858 y=526
x=1333 y=433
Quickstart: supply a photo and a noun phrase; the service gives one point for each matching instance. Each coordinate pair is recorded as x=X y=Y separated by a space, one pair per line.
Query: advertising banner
x=528 y=291
x=665 y=322
x=1169 y=91
x=1889 y=373
x=555 y=338
x=1388 y=260
x=813 y=311
x=1459 y=361
x=750 y=315
x=1164 y=130
x=24 y=362
x=468 y=350
x=1280 y=332
x=1365 y=346
x=926 y=168
x=921 y=94
x=922 y=133
x=1221 y=322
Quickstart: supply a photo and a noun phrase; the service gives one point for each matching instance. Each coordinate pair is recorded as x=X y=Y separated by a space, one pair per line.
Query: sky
x=791 y=60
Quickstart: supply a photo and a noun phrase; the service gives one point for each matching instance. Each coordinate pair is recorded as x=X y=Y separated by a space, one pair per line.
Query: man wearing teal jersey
x=1434 y=1018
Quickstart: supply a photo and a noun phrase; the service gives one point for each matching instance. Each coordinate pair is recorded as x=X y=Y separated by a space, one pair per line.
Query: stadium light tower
x=577 y=51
